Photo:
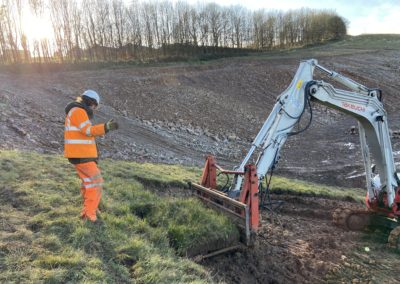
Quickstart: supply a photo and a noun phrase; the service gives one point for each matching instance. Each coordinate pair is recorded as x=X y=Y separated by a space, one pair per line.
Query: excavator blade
x=237 y=211
x=242 y=211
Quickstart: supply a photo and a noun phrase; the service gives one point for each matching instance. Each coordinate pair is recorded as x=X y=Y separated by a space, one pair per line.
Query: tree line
x=112 y=30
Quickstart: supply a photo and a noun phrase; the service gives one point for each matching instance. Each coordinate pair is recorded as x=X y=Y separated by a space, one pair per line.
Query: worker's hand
x=111 y=125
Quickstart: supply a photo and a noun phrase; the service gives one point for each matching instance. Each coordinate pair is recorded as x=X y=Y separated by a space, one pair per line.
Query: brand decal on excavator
x=299 y=83
x=353 y=107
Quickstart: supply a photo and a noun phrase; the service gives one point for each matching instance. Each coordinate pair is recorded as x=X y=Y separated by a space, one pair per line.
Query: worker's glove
x=111 y=125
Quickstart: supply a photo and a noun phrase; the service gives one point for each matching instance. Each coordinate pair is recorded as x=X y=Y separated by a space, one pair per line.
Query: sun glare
x=36 y=27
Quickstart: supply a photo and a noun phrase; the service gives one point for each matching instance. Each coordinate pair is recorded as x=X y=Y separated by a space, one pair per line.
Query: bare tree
x=166 y=17
x=237 y=21
x=114 y=29
x=89 y=34
x=215 y=22
x=148 y=27
x=11 y=31
x=77 y=31
x=181 y=30
x=118 y=16
x=258 y=29
x=135 y=27
x=204 y=25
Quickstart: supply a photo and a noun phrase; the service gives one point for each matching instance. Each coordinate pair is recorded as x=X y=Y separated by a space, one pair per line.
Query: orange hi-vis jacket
x=79 y=135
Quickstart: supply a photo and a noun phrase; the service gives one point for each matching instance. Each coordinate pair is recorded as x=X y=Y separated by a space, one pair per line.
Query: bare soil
x=299 y=244
x=178 y=113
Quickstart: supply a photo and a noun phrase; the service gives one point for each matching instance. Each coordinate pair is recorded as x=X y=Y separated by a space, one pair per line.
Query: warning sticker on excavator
x=299 y=83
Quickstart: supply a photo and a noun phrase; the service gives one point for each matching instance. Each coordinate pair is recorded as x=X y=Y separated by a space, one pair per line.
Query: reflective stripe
x=77 y=141
x=91 y=185
x=72 y=128
x=72 y=111
x=83 y=124
x=69 y=116
x=88 y=131
x=93 y=178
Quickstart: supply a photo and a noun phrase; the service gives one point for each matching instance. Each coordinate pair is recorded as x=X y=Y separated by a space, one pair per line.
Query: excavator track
x=394 y=238
x=351 y=219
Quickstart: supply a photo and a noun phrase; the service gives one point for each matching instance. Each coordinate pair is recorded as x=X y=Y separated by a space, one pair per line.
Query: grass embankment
x=369 y=41
x=347 y=46
x=281 y=185
x=143 y=236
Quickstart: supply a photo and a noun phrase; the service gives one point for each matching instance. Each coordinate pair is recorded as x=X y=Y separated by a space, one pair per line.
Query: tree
x=214 y=21
x=113 y=29
x=237 y=20
x=118 y=20
x=134 y=27
x=337 y=27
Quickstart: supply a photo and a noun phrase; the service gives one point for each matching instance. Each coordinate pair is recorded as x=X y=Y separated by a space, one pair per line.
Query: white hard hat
x=92 y=94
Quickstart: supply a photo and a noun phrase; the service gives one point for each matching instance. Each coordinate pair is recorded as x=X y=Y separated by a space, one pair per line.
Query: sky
x=364 y=16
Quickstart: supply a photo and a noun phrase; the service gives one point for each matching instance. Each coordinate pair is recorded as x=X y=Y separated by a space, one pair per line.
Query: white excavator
x=241 y=197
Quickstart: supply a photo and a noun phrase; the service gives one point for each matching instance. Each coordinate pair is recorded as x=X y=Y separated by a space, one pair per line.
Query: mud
x=300 y=244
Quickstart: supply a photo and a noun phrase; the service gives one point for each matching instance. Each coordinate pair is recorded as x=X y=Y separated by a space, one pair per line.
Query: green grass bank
x=143 y=236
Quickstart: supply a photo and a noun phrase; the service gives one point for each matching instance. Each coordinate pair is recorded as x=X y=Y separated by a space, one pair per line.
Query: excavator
x=241 y=197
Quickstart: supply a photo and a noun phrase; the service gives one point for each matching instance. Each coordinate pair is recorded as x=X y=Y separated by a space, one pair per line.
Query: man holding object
x=80 y=148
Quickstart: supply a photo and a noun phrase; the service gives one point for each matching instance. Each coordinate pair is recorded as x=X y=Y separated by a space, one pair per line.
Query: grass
x=281 y=185
x=143 y=237
x=369 y=41
x=347 y=46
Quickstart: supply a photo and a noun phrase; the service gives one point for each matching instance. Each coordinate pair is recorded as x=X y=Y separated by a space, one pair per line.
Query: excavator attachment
x=242 y=210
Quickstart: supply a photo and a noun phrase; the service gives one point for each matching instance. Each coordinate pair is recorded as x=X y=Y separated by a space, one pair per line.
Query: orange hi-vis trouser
x=91 y=189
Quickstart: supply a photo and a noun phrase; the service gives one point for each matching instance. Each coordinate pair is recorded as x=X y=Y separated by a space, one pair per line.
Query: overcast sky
x=365 y=16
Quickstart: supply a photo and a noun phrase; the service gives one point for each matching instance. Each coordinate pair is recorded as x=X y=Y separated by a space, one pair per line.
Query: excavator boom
x=360 y=102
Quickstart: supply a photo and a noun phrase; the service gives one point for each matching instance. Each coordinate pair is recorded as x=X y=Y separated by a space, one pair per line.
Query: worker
x=80 y=148
x=375 y=180
x=376 y=183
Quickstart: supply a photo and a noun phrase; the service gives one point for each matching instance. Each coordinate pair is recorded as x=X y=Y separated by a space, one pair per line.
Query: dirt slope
x=178 y=113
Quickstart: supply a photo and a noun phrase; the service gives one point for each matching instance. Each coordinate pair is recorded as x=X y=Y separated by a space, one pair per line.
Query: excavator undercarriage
x=360 y=219
x=352 y=219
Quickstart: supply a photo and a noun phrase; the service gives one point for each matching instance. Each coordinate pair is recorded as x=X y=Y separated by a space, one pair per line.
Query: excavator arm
x=360 y=102
x=241 y=199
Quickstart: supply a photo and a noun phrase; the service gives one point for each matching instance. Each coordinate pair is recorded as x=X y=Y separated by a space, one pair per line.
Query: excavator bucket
x=244 y=211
